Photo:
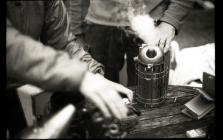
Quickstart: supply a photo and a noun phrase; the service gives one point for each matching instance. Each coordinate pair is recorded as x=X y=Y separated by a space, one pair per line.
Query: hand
x=160 y=35
x=105 y=95
x=164 y=35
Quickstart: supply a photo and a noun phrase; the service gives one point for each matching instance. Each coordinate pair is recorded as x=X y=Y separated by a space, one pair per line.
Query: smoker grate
x=152 y=83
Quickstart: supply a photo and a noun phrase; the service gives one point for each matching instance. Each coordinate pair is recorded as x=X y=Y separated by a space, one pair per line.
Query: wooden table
x=167 y=121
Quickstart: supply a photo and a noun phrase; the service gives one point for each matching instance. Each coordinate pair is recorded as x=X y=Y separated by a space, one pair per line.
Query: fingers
x=161 y=43
x=115 y=104
x=119 y=106
x=164 y=44
x=167 y=47
x=101 y=105
x=105 y=95
x=123 y=90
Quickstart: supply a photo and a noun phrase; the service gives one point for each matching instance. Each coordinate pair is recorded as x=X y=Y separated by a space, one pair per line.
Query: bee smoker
x=152 y=71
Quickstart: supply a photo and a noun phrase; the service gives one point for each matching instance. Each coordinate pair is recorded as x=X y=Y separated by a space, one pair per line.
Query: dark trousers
x=59 y=100
x=108 y=45
x=15 y=116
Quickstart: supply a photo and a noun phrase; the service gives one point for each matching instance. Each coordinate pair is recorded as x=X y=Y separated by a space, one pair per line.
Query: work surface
x=167 y=121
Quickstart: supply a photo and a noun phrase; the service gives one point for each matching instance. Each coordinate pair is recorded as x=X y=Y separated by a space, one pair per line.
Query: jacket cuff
x=172 y=21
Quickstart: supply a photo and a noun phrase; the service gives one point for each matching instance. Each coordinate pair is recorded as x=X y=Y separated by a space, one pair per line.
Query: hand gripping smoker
x=152 y=71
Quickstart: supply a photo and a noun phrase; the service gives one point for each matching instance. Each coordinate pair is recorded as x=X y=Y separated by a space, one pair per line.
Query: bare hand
x=164 y=35
x=105 y=94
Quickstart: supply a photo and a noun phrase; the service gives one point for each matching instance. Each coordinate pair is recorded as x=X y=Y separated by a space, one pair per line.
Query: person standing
x=107 y=23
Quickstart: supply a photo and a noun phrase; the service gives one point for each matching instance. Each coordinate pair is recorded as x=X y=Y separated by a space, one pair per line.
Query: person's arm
x=177 y=12
x=77 y=10
x=169 y=24
x=56 y=32
x=31 y=62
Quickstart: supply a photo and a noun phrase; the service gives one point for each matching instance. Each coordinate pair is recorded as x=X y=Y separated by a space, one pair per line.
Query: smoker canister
x=152 y=71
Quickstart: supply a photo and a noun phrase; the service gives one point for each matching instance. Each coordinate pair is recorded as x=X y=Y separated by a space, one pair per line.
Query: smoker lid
x=150 y=54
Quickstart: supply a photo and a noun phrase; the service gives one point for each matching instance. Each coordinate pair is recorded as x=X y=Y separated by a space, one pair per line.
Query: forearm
x=177 y=12
x=78 y=52
x=57 y=34
x=30 y=62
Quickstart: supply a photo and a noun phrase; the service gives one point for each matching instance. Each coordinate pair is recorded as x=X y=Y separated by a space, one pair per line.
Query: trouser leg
x=132 y=49
x=59 y=100
x=15 y=115
x=106 y=47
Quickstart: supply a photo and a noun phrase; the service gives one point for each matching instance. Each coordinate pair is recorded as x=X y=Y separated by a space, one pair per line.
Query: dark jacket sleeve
x=56 y=32
x=176 y=12
x=31 y=62
x=77 y=10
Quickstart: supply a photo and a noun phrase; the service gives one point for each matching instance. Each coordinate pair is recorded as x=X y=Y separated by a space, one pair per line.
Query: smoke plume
x=142 y=24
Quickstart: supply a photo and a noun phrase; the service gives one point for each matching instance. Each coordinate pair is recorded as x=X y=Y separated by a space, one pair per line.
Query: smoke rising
x=142 y=24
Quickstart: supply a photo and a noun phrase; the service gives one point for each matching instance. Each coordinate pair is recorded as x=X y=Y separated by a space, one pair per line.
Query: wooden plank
x=160 y=121
x=167 y=120
x=170 y=102
x=171 y=130
x=169 y=108
x=161 y=112
x=174 y=93
x=178 y=136
x=164 y=121
x=174 y=89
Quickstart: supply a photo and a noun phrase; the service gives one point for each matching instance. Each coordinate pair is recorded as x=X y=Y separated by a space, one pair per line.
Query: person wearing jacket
x=108 y=21
x=77 y=16
x=41 y=50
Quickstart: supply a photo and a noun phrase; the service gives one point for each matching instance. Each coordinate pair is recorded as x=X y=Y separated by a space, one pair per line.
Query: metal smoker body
x=152 y=70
